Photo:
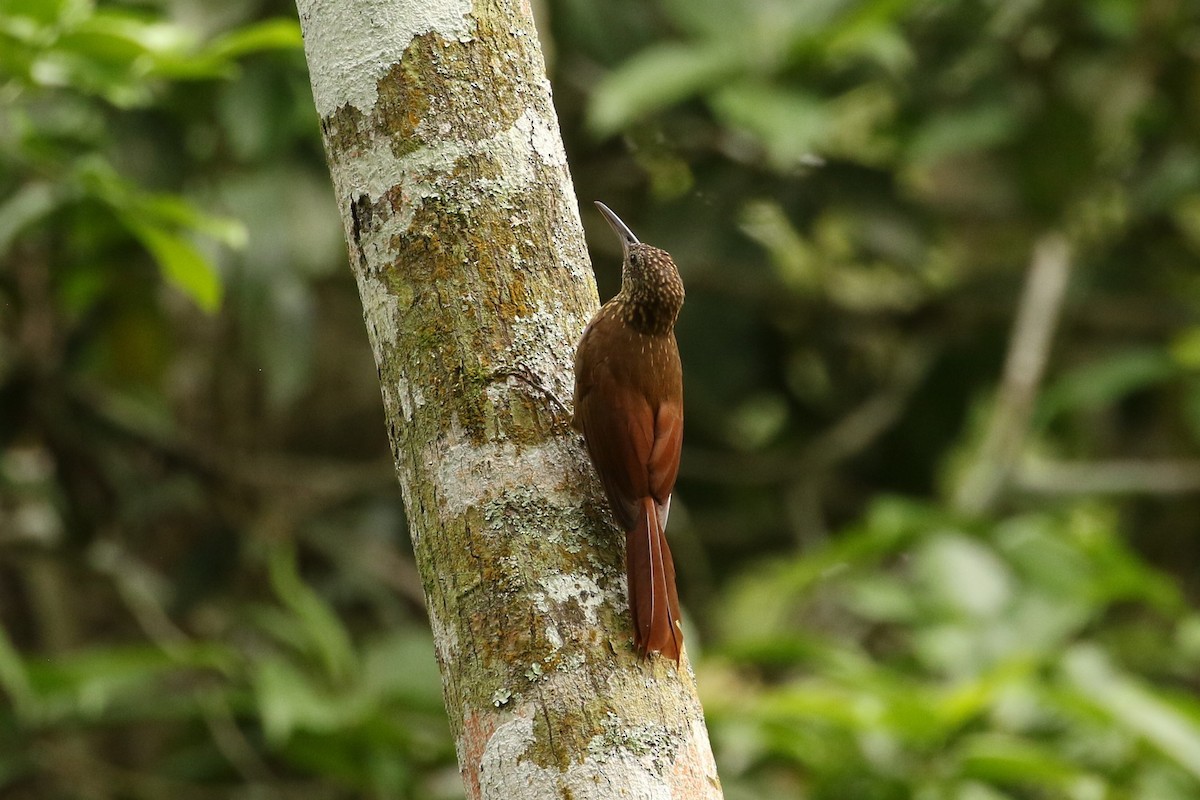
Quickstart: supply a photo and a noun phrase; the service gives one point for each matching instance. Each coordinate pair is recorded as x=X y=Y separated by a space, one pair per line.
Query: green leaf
x=45 y=12
x=796 y=127
x=156 y=221
x=27 y=205
x=190 y=67
x=324 y=630
x=1120 y=574
x=657 y=78
x=181 y=262
x=1007 y=759
x=1134 y=706
x=288 y=700
x=100 y=682
x=273 y=34
x=796 y=261
x=1102 y=382
x=760 y=603
x=963 y=131
x=120 y=39
x=172 y=210
x=872 y=36
x=403 y=666
x=1185 y=348
x=964 y=576
x=790 y=124
x=13 y=677
x=1045 y=559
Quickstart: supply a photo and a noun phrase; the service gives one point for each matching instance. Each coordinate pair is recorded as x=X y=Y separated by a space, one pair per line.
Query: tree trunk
x=465 y=239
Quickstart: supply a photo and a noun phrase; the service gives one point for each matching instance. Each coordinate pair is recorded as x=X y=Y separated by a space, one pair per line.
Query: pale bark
x=465 y=239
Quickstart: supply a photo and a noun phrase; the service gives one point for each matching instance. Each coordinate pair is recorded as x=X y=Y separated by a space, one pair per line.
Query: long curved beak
x=620 y=228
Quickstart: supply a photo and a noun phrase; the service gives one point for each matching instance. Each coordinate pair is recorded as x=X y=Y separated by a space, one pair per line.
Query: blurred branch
x=1040 y=476
x=297 y=487
x=48 y=585
x=102 y=779
x=325 y=480
x=1029 y=348
x=377 y=558
x=856 y=431
x=328 y=480
x=806 y=512
x=959 y=310
x=229 y=739
x=142 y=590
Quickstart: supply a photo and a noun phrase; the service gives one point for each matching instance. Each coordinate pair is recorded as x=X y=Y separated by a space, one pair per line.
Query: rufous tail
x=653 y=601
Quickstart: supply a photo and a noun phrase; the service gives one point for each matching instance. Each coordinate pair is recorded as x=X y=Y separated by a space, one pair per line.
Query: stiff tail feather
x=653 y=601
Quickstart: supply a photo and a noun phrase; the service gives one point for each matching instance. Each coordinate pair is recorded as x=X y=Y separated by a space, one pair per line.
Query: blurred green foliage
x=205 y=587
x=926 y=655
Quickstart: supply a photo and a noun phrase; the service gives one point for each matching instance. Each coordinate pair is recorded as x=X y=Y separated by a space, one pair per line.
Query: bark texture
x=465 y=239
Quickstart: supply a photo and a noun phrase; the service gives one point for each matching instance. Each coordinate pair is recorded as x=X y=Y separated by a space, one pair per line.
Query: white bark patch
x=373 y=171
x=470 y=474
x=404 y=395
x=445 y=638
x=559 y=589
x=651 y=743
x=380 y=310
x=353 y=45
x=543 y=342
x=546 y=140
x=514 y=148
x=553 y=636
x=506 y=772
x=410 y=397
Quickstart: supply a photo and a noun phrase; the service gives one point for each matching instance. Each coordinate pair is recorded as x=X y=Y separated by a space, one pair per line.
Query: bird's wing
x=664 y=455
x=618 y=426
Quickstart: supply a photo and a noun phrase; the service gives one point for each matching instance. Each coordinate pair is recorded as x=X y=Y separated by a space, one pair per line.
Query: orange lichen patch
x=427 y=86
x=403 y=99
x=693 y=773
x=477 y=731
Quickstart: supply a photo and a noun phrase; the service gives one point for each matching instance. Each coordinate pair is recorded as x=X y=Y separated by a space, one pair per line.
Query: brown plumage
x=629 y=407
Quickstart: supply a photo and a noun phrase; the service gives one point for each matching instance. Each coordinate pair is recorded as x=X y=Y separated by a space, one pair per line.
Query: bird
x=629 y=408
